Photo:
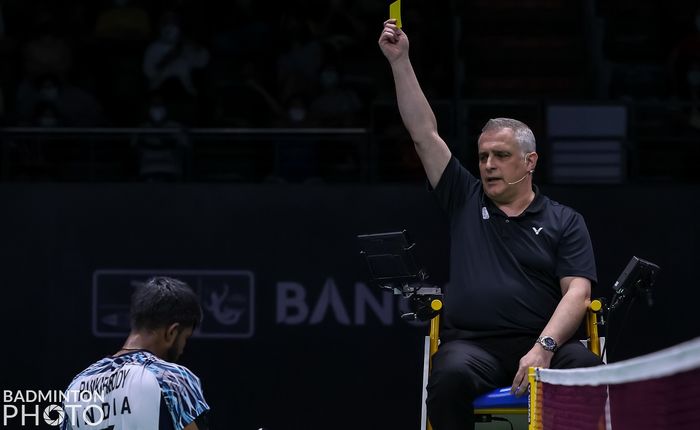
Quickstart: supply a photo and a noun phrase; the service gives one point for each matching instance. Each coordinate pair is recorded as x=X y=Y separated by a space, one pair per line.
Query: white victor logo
x=537 y=230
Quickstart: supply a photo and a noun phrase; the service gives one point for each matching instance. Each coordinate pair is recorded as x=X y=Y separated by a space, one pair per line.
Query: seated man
x=521 y=265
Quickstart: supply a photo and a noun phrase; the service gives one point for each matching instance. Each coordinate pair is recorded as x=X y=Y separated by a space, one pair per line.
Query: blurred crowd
x=273 y=63
x=242 y=63
x=315 y=63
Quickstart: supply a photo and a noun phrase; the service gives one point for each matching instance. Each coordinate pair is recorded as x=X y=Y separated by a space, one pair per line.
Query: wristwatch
x=548 y=343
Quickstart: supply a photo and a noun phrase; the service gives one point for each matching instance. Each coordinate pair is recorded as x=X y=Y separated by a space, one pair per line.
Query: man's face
x=501 y=161
x=178 y=346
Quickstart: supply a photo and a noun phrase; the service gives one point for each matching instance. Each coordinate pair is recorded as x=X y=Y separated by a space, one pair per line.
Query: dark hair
x=162 y=301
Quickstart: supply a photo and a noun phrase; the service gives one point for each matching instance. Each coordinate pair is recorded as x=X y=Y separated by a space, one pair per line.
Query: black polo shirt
x=505 y=271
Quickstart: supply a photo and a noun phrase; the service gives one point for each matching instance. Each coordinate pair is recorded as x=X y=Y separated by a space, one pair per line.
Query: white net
x=657 y=391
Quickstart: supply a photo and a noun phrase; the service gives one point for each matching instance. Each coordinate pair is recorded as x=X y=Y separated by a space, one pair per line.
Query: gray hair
x=523 y=134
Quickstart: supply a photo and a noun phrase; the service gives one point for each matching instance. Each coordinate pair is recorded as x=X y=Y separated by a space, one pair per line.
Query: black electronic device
x=392 y=266
x=389 y=257
x=638 y=277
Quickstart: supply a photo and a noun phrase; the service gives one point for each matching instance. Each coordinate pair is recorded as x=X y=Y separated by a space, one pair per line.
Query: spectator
x=336 y=105
x=161 y=157
x=121 y=33
x=296 y=160
x=75 y=107
x=171 y=63
x=297 y=113
x=46 y=115
x=48 y=52
x=340 y=27
x=173 y=56
x=299 y=65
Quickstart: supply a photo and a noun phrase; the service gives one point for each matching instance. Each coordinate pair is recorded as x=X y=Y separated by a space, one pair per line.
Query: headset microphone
x=521 y=179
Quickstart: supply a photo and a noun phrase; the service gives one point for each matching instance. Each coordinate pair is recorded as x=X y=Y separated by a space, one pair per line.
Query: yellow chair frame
x=593 y=342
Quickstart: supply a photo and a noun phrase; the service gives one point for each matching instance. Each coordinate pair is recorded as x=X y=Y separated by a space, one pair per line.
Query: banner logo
x=227 y=298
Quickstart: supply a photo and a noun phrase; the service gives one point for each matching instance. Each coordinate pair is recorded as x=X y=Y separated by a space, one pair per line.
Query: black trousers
x=465 y=369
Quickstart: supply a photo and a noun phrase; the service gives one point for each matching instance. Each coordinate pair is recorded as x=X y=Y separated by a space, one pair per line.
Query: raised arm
x=415 y=111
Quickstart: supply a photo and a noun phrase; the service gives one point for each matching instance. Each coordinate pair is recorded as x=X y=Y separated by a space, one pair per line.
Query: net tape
x=676 y=359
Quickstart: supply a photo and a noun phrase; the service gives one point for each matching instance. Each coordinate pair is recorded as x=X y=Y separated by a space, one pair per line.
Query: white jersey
x=136 y=391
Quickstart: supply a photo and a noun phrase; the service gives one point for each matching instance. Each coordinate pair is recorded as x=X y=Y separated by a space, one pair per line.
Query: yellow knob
x=596 y=305
x=436 y=304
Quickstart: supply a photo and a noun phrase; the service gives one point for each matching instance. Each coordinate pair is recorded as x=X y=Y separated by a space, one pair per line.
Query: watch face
x=548 y=343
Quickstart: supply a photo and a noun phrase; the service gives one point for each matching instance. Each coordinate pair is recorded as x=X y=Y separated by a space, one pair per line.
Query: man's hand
x=393 y=41
x=536 y=357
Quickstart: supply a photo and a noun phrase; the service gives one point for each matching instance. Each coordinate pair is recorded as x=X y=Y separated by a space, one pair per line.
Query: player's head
x=169 y=307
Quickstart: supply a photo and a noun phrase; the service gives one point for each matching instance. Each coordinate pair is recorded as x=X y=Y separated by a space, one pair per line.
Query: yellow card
x=395 y=12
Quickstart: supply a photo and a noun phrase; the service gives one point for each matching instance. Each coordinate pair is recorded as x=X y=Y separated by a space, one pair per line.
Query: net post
x=592 y=326
x=534 y=412
x=434 y=341
x=434 y=337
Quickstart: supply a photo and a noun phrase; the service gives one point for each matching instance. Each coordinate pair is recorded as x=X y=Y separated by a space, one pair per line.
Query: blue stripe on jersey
x=181 y=389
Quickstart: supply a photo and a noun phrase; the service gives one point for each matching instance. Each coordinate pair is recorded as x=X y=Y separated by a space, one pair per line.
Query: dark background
x=302 y=375
x=240 y=185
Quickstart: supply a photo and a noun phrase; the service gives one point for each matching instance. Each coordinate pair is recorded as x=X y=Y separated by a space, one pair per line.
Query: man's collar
x=536 y=205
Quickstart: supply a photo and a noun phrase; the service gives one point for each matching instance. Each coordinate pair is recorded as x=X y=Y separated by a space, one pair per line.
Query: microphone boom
x=519 y=180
